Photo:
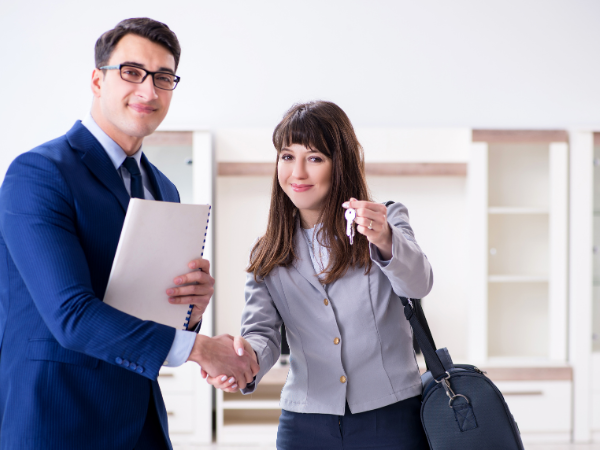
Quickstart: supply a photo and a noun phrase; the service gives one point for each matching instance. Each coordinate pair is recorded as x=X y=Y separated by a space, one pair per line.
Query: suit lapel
x=98 y=162
x=303 y=264
x=158 y=185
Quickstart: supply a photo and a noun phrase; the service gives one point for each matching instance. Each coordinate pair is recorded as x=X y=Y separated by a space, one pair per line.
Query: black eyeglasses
x=162 y=80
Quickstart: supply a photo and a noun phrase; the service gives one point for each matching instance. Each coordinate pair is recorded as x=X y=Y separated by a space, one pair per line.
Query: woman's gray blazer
x=372 y=364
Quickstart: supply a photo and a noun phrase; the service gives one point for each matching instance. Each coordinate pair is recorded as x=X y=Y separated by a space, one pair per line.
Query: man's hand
x=217 y=356
x=195 y=288
x=225 y=383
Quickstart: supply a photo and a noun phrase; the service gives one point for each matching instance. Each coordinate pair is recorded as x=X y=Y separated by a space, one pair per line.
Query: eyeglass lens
x=162 y=80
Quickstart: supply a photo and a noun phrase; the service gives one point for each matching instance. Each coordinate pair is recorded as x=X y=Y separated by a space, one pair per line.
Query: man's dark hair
x=147 y=28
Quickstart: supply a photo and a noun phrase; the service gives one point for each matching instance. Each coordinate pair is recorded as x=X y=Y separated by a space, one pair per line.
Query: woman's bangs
x=302 y=131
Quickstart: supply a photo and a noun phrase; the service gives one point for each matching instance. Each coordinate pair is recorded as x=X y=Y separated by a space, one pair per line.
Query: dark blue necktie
x=137 y=187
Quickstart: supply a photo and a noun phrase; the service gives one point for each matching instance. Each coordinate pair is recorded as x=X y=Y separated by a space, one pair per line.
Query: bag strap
x=416 y=317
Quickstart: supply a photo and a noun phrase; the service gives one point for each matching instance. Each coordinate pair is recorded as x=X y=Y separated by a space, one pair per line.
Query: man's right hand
x=217 y=356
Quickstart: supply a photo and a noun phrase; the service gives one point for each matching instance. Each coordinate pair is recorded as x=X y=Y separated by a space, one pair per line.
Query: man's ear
x=97 y=80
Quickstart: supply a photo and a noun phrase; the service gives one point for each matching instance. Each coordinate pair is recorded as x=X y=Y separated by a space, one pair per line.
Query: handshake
x=226 y=362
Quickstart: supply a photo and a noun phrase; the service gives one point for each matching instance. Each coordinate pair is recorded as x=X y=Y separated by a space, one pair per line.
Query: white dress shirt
x=184 y=340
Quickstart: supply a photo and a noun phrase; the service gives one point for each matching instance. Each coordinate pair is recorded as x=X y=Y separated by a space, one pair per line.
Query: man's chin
x=141 y=130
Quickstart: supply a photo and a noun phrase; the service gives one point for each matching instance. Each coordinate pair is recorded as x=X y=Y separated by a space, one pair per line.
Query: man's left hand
x=194 y=288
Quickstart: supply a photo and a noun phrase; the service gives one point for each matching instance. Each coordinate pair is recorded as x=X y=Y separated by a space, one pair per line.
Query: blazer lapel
x=97 y=161
x=303 y=264
x=160 y=189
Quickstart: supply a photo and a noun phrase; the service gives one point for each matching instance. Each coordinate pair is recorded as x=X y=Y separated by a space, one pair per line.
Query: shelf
x=169 y=139
x=250 y=417
x=255 y=404
x=517 y=279
x=520 y=136
x=276 y=376
x=229 y=169
x=517 y=210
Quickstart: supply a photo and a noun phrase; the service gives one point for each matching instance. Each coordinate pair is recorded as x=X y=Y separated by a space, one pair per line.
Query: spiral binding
x=189 y=313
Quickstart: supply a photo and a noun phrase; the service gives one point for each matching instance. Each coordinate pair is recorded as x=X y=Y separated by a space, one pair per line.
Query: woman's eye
x=286 y=157
x=316 y=159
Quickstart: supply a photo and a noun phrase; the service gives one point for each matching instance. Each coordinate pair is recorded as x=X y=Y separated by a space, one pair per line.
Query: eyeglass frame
x=118 y=67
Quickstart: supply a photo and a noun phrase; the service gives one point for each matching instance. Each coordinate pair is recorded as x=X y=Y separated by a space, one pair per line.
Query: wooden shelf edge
x=520 y=136
x=525 y=373
x=416 y=169
x=529 y=373
x=167 y=138
x=229 y=169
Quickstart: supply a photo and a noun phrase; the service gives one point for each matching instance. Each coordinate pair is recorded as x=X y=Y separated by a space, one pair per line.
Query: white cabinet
x=518 y=207
x=242 y=419
x=518 y=204
x=185 y=157
x=188 y=401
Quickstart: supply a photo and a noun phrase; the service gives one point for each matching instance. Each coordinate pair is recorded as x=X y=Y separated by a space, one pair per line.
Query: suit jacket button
x=132 y=366
x=139 y=369
x=336 y=341
x=326 y=302
x=126 y=363
x=118 y=360
x=342 y=379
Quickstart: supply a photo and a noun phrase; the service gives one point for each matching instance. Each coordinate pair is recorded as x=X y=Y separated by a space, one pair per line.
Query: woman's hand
x=371 y=220
x=227 y=383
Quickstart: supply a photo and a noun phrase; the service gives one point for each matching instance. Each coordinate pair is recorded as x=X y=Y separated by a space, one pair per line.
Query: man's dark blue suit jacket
x=62 y=207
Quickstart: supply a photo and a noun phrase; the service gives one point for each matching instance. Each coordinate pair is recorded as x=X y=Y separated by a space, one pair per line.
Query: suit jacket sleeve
x=38 y=222
x=409 y=270
x=261 y=325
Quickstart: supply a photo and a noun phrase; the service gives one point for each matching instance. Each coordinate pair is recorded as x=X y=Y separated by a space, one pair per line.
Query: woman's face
x=304 y=175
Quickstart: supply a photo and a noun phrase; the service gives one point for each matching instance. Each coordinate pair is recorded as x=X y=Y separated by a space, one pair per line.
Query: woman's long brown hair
x=324 y=127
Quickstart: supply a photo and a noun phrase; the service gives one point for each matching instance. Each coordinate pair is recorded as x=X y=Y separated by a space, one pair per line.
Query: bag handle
x=416 y=317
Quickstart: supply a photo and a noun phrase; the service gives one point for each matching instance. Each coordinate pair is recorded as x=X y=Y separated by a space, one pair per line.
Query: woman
x=353 y=381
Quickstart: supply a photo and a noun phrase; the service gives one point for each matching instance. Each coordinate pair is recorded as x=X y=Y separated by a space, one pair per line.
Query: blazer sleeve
x=37 y=221
x=409 y=270
x=261 y=324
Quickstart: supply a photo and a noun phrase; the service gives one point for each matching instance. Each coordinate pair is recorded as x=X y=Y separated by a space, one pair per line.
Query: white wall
x=466 y=63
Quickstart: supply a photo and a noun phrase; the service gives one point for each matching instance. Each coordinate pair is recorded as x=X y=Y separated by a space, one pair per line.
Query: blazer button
x=342 y=379
x=139 y=369
x=118 y=360
x=326 y=302
x=336 y=341
x=126 y=363
x=132 y=366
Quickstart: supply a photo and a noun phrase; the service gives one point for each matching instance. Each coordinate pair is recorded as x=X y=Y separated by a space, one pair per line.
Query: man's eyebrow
x=142 y=66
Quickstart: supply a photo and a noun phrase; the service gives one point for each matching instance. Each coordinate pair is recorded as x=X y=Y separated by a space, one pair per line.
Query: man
x=76 y=373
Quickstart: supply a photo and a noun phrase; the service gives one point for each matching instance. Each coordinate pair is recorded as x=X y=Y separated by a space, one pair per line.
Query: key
x=350 y=215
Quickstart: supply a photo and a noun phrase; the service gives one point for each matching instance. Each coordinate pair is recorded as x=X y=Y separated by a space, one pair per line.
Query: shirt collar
x=114 y=151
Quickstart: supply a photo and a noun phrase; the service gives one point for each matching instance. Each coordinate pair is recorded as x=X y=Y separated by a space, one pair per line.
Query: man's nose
x=147 y=89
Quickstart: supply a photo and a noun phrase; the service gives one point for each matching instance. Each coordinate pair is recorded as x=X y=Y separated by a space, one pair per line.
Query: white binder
x=157 y=242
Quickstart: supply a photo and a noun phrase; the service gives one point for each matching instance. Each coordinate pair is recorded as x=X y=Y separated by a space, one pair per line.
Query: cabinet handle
x=170 y=413
x=523 y=393
x=166 y=375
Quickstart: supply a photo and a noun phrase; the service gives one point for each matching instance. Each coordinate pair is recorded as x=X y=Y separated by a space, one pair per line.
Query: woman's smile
x=301 y=187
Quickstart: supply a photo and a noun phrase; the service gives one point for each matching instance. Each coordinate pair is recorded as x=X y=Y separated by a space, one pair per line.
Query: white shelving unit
x=518 y=192
x=595 y=372
x=186 y=158
x=584 y=283
x=251 y=418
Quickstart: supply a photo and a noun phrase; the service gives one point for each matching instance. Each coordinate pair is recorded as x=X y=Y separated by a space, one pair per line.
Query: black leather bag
x=461 y=408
